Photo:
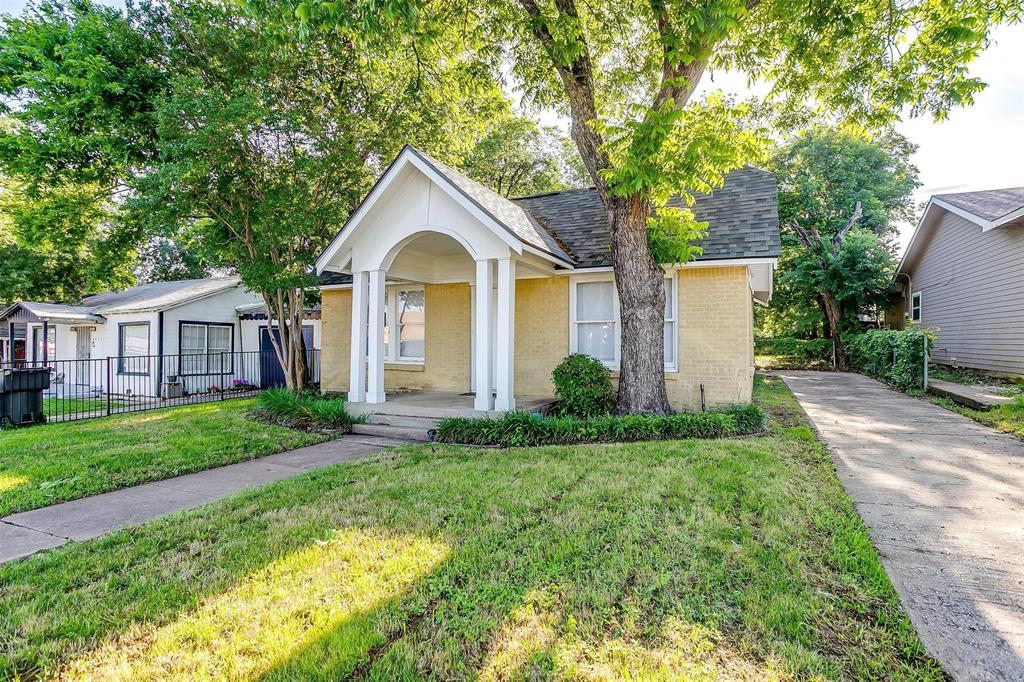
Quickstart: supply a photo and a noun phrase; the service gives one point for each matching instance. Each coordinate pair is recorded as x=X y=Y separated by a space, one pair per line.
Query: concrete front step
x=424 y=423
x=393 y=432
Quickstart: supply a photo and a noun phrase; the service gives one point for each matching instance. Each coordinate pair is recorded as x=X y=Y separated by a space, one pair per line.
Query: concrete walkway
x=24 y=534
x=943 y=497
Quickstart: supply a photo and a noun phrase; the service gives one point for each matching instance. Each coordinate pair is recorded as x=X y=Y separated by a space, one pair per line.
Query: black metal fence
x=82 y=389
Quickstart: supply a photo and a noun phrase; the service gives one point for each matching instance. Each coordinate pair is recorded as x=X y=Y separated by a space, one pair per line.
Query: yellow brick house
x=441 y=289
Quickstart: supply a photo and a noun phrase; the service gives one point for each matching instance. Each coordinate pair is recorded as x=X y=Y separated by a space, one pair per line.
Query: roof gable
x=509 y=221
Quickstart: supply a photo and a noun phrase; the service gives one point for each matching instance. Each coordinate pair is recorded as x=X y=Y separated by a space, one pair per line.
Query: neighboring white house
x=192 y=329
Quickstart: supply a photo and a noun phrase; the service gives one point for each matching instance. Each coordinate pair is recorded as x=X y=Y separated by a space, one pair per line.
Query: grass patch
x=65 y=461
x=1008 y=417
x=56 y=407
x=310 y=411
x=735 y=559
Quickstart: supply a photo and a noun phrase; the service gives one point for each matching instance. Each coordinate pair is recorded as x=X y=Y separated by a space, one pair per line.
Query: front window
x=405 y=313
x=205 y=348
x=596 y=317
x=595 y=321
x=133 y=348
x=915 y=307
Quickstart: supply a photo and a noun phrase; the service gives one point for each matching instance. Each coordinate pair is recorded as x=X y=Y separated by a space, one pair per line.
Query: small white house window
x=596 y=316
x=915 y=307
x=595 y=329
x=205 y=348
x=133 y=348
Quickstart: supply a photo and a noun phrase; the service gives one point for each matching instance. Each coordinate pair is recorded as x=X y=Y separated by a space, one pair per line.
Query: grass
x=973 y=377
x=43 y=465
x=735 y=559
x=54 y=407
x=1008 y=417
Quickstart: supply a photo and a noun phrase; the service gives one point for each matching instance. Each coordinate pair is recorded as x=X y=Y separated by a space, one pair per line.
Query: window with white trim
x=594 y=324
x=133 y=348
x=915 y=307
x=205 y=348
x=406 y=308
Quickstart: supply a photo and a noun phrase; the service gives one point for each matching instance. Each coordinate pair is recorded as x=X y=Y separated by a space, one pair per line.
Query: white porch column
x=504 y=342
x=375 y=361
x=484 y=276
x=357 y=361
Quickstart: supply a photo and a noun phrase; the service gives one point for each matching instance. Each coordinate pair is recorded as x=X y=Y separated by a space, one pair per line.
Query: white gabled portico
x=423 y=223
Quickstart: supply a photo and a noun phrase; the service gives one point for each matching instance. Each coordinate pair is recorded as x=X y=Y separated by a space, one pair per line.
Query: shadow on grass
x=657 y=560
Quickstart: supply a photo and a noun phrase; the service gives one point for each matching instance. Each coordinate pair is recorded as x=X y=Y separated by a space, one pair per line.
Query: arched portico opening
x=390 y=321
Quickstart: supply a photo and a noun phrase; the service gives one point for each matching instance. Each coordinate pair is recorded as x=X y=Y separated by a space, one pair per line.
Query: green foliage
x=519 y=429
x=823 y=173
x=516 y=157
x=895 y=357
x=804 y=349
x=583 y=386
x=57 y=243
x=302 y=410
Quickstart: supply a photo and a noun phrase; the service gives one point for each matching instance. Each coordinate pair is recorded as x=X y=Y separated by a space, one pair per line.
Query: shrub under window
x=583 y=387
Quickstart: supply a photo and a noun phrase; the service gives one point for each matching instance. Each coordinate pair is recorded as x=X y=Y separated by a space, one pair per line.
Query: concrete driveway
x=943 y=497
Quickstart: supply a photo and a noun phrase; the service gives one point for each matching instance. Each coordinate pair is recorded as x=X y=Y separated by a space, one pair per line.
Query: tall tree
x=516 y=157
x=79 y=84
x=841 y=193
x=268 y=139
x=626 y=73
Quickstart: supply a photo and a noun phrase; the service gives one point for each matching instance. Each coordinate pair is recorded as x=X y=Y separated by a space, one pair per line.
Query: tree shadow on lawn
x=741 y=558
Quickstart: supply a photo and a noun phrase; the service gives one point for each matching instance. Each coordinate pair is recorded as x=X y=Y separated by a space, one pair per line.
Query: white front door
x=83 y=343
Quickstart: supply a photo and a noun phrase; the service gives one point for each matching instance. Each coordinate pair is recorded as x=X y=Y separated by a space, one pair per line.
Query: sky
x=977 y=147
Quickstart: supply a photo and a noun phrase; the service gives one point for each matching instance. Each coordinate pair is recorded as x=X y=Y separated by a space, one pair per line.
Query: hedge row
x=805 y=349
x=895 y=356
x=518 y=429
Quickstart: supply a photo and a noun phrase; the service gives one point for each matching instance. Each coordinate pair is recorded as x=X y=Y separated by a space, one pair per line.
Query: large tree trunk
x=641 y=285
x=833 y=313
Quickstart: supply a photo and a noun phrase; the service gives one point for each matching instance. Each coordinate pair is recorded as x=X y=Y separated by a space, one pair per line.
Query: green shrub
x=894 y=356
x=804 y=349
x=308 y=410
x=583 y=387
x=518 y=429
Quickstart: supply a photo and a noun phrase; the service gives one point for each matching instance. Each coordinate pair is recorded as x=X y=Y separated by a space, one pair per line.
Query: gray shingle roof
x=989 y=204
x=742 y=215
x=507 y=213
x=158 y=295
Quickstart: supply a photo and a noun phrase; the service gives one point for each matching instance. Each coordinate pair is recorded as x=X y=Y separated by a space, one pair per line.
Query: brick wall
x=542 y=332
x=715 y=336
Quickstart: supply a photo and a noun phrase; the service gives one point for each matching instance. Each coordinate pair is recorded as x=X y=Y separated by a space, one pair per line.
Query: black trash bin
x=21 y=396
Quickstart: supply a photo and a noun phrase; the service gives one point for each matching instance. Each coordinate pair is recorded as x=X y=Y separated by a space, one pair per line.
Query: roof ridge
x=557 y=191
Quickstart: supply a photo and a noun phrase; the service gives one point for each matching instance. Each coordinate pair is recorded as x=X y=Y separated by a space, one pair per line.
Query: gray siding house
x=963 y=276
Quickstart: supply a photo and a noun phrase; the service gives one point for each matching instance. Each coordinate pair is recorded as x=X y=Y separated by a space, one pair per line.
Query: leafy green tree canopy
x=841 y=194
x=626 y=72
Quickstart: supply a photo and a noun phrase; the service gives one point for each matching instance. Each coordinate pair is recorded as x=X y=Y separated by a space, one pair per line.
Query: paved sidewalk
x=943 y=497
x=24 y=534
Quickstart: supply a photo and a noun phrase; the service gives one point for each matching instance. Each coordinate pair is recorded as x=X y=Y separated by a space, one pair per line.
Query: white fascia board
x=976 y=219
x=1007 y=218
x=725 y=262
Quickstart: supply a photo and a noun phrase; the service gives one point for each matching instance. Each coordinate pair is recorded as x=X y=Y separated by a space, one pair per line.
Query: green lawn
x=735 y=559
x=53 y=463
x=56 y=407
x=1008 y=418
